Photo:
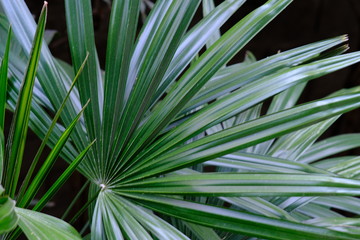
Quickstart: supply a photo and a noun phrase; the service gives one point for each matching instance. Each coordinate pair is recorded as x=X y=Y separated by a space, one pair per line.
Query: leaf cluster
x=184 y=147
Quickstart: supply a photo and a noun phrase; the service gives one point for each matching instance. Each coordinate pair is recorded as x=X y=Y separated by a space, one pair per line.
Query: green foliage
x=37 y=225
x=184 y=148
x=33 y=224
x=8 y=219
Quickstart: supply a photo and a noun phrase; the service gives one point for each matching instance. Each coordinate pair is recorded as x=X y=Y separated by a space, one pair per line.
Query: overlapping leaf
x=253 y=225
x=41 y=226
x=163 y=109
x=8 y=217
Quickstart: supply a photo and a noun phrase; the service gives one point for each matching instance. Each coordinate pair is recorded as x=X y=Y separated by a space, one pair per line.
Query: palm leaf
x=53 y=79
x=337 y=144
x=245 y=135
x=193 y=41
x=154 y=61
x=236 y=221
x=204 y=68
x=90 y=83
x=3 y=81
x=39 y=178
x=171 y=105
x=119 y=52
x=17 y=137
x=240 y=100
x=232 y=184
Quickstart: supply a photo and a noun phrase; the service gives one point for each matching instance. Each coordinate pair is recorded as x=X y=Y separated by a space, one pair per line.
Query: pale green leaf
x=8 y=217
x=37 y=226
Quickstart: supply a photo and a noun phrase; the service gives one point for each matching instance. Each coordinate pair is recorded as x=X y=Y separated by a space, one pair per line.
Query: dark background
x=303 y=22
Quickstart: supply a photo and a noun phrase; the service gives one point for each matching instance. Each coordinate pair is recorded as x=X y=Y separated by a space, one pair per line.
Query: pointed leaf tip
x=44 y=8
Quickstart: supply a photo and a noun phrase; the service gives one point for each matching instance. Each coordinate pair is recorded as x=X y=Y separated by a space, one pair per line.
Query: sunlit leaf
x=37 y=225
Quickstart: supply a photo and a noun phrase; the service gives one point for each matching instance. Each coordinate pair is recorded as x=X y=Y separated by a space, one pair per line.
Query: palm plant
x=35 y=225
x=184 y=148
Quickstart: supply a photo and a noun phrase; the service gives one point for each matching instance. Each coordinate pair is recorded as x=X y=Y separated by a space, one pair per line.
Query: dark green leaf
x=249 y=134
x=90 y=84
x=236 y=221
x=241 y=184
x=3 y=81
x=61 y=180
x=47 y=165
x=202 y=70
x=18 y=132
x=124 y=17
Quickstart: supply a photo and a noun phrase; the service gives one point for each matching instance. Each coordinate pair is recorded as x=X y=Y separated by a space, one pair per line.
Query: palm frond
x=186 y=145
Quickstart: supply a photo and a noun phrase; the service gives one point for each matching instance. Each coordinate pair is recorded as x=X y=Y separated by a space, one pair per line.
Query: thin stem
x=75 y=199
x=30 y=172
x=82 y=210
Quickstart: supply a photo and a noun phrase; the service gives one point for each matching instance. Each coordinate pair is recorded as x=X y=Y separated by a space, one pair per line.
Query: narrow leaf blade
x=19 y=127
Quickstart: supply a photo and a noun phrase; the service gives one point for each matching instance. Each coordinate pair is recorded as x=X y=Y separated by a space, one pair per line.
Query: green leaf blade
x=52 y=77
x=118 y=56
x=249 y=95
x=47 y=165
x=8 y=217
x=235 y=221
x=90 y=84
x=3 y=81
x=250 y=133
x=41 y=226
x=242 y=184
x=20 y=123
x=144 y=78
x=61 y=180
x=336 y=144
x=201 y=71
x=194 y=40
